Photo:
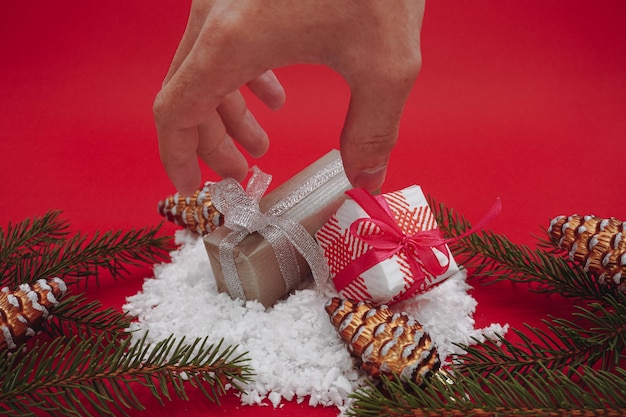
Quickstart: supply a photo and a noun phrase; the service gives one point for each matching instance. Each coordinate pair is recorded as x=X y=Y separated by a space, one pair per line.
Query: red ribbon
x=391 y=240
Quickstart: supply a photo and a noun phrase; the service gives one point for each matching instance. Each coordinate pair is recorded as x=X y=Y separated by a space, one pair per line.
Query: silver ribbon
x=243 y=216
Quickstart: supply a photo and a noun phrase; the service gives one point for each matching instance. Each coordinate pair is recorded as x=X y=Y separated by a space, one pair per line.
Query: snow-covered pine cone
x=23 y=310
x=598 y=245
x=384 y=342
x=195 y=212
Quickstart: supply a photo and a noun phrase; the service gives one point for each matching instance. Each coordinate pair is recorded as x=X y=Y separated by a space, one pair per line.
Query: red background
x=525 y=100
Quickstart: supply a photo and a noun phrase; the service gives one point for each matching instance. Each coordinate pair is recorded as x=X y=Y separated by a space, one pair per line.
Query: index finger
x=177 y=149
x=183 y=104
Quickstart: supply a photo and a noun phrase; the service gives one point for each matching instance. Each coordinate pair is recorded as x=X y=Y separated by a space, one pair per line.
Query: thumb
x=371 y=131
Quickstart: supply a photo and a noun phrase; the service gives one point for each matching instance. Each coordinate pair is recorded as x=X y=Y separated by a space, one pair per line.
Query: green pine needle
x=26 y=237
x=595 y=337
x=494 y=257
x=75 y=316
x=87 y=365
x=543 y=392
x=94 y=377
x=41 y=247
x=46 y=229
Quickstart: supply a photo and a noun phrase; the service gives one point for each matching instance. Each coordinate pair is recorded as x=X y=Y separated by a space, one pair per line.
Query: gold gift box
x=255 y=260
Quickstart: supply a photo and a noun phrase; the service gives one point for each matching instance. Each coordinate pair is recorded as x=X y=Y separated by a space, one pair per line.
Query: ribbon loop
x=241 y=207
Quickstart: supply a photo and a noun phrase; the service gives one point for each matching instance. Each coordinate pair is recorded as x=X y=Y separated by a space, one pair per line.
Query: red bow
x=391 y=240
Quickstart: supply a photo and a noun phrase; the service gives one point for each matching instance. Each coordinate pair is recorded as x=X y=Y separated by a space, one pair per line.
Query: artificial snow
x=294 y=351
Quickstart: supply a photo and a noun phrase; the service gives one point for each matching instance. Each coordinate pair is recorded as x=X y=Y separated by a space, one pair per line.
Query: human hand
x=373 y=44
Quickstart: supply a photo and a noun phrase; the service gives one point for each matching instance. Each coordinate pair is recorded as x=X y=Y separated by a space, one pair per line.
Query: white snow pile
x=294 y=350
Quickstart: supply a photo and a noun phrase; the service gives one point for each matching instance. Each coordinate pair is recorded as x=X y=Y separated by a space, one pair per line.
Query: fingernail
x=371 y=179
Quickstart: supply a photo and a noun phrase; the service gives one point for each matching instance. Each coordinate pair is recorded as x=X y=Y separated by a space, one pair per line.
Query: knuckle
x=382 y=141
x=226 y=28
x=160 y=108
x=412 y=65
x=400 y=71
x=379 y=142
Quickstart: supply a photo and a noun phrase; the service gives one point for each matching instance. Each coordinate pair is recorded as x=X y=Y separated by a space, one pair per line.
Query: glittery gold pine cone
x=22 y=311
x=598 y=245
x=195 y=212
x=384 y=342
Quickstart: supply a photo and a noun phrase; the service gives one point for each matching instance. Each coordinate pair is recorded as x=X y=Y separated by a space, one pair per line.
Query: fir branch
x=96 y=371
x=95 y=377
x=74 y=316
x=80 y=257
x=549 y=393
x=27 y=237
x=596 y=338
x=494 y=256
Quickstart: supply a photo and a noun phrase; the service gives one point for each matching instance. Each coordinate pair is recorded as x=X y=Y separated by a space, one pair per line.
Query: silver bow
x=243 y=216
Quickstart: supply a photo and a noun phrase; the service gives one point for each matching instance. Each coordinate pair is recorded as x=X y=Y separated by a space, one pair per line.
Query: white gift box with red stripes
x=402 y=274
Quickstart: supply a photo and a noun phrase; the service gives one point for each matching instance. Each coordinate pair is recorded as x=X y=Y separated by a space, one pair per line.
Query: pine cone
x=384 y=342
x=195 y=212
x=598 y=245
x=22 y=311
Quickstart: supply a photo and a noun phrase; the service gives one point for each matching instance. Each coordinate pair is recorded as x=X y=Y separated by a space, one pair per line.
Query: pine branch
x=74 y=316
x=596 y=335
x=94 y=377
x=97 y=370
x=78 y=256
x=27 y=236
x=494 y=256
x=549 y=393
x=596 y=338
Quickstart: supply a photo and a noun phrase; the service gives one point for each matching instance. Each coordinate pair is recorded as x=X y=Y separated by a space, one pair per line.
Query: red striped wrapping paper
x=389 y=280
